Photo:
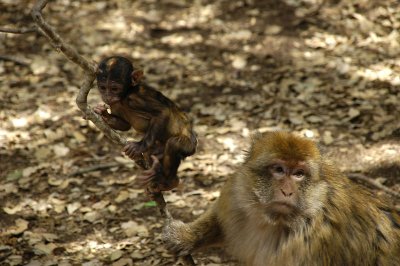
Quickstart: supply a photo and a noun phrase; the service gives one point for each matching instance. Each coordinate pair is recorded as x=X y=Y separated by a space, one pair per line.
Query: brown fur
x=168 y=135
x=335 y=223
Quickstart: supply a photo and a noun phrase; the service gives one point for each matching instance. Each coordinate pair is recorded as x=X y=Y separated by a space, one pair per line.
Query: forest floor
x=329 y=71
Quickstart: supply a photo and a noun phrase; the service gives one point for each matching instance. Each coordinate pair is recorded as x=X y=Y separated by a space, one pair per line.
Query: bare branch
x=373 y=183
x=95 y=168
x=57 y=41
x=19 y=61
x=18 y=31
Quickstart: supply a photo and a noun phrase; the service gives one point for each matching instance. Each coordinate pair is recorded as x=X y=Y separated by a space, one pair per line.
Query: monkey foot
x=141 y=162
x=154 y=179
x=149 y=176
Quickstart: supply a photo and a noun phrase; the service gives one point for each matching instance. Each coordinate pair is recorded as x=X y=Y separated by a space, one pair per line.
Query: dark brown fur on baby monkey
x=288 y=205
x=167 y=132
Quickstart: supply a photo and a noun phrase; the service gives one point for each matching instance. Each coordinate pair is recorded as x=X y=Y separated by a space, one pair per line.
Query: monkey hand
x=178 y=238
x=101 y=109
x=135 y=150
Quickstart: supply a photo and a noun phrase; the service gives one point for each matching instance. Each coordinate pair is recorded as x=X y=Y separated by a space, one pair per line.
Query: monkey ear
x=137 y=76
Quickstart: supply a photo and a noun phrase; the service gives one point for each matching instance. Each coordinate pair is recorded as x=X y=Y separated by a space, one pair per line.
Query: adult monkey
x=168 y=135
x=289 y=205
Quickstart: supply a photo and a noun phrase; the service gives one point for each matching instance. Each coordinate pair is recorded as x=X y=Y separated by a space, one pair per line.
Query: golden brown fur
x=335 y=222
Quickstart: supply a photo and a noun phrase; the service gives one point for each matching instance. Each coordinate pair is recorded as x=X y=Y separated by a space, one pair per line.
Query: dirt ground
x=327 y=69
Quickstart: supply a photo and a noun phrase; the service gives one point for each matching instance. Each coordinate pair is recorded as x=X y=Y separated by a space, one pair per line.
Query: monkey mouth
x=281 y=207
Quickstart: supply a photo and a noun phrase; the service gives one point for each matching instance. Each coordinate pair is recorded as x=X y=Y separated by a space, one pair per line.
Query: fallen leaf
x=122 y=196
x=273 y=29
x=353 y=113
x=116 y=255
x=71 y=208
x=239 y=62
x=123 y=262
x=60 y=150
x=43 y=153
x=91 y=216
x=44 y=249
x=137 y=255
x=19 y=227
x=100 y=204
x=327 y=138
x=150 y=204
x=14 y=175
x=131 y=228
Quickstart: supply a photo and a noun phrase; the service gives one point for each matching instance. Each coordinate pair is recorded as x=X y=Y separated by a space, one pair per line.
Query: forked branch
x=57 y=41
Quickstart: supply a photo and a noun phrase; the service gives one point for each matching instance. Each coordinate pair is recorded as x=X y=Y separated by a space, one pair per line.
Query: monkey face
x=114 y=78
x=111 y=92
x=281 y=174
x=278 y=187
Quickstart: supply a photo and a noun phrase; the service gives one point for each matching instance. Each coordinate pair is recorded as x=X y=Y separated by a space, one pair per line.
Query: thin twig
x=19 y=61
x=97 y=167
x=18 y=31
x=373 y=183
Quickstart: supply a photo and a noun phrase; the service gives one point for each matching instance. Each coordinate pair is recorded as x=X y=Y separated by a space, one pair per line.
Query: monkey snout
x=287 y=193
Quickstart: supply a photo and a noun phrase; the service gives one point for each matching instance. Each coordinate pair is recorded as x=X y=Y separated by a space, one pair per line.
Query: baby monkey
x=288 y=205
x=168 y=135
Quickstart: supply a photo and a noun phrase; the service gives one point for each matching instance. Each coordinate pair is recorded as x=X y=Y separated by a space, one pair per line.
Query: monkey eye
x=277 y=169
x=299 y=173
x=115 y=88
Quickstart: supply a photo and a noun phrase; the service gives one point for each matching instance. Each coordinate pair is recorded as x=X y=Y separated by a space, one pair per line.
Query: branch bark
x=55 y=39
x=18 y=31
x=81 y=100
x=11 y=58
x=373 y=183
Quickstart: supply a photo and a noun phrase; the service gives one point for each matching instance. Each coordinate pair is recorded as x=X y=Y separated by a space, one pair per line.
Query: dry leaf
x=132 y=228
x=116 y=255
x=20 y=226
x=122 y=196
x=44 y=249
x=71 y=208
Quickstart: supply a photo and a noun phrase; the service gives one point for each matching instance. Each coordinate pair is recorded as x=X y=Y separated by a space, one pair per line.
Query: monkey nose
x=286 y=194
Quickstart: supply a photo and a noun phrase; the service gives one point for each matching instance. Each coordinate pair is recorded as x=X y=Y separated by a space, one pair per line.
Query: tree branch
x=19 y=61
x=373 y=183
x=18 y=31
x=57 y=41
